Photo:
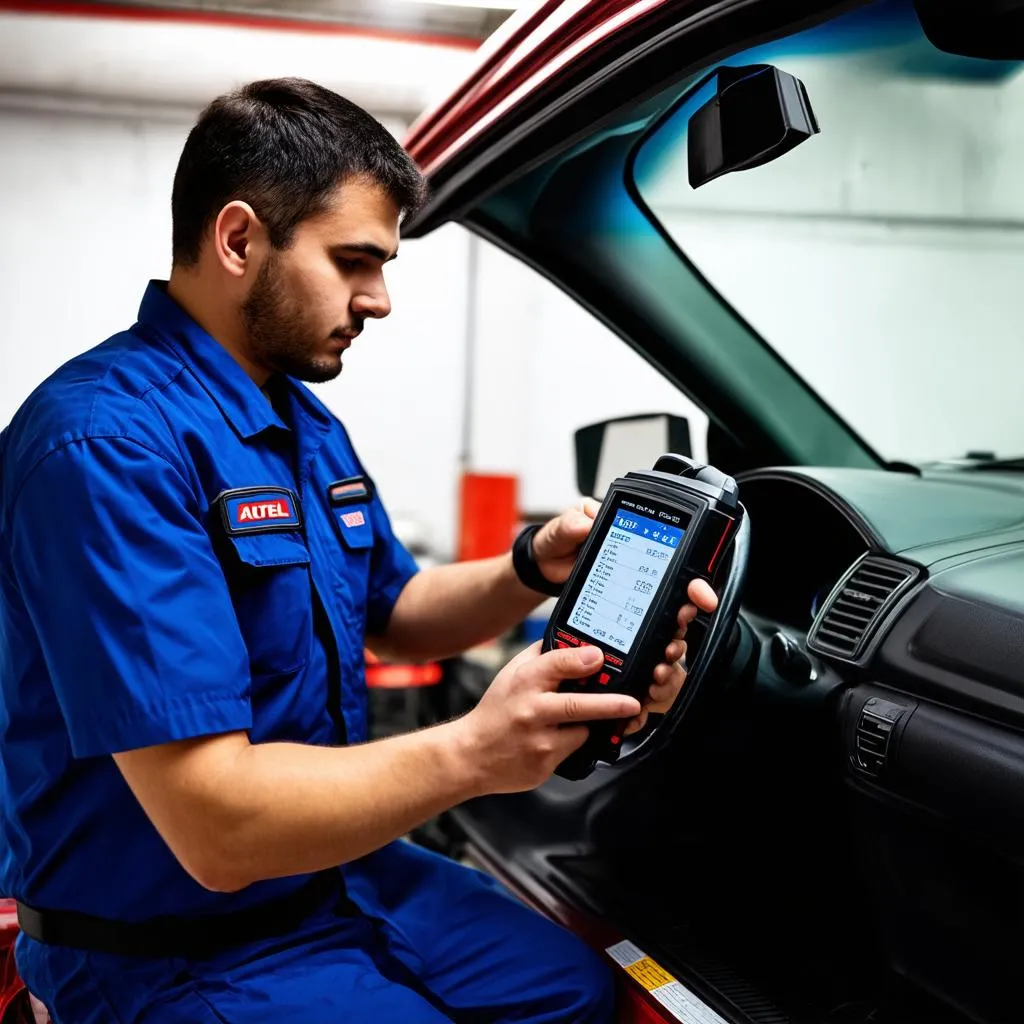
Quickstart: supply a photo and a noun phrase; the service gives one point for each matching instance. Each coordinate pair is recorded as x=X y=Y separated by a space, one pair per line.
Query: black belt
x=177 y=936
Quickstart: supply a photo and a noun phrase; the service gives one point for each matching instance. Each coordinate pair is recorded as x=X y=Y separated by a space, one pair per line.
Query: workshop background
x=483 y=366
x=95 y=103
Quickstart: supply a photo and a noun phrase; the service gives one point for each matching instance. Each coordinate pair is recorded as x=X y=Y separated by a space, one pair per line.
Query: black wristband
x=526 y=567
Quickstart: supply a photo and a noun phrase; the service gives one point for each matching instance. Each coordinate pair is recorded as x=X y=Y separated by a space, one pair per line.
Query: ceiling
x=463 y=19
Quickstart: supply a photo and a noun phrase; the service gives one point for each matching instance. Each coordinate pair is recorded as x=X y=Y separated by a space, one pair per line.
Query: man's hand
x=557 y=543
x=522 y=728
x=670 y=676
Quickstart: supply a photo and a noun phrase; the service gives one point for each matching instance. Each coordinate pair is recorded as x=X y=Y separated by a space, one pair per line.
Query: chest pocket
x=355 y=530
x=268 y=575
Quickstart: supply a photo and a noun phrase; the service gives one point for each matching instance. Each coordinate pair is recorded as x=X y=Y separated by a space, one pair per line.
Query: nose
x=372 y=302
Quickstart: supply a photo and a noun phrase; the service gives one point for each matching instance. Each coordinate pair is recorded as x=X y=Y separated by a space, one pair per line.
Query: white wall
x=545 y=368
x=84 y=222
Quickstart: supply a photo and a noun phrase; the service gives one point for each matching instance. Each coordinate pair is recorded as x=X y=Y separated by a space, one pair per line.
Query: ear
x=236 y=233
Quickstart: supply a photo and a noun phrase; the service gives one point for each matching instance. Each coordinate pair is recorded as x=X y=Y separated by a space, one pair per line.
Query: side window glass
x=542 y=367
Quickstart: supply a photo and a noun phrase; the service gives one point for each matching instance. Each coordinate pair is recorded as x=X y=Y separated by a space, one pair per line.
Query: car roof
x=531 y=52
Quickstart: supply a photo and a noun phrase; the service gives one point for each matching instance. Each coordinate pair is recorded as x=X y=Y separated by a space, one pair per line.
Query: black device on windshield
x=655 y=532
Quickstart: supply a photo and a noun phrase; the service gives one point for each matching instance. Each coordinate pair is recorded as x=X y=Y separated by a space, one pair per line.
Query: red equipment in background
x=488 y=514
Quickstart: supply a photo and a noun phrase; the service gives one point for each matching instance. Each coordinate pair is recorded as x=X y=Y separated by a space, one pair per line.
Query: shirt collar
x=240 y=400
x=312 y=422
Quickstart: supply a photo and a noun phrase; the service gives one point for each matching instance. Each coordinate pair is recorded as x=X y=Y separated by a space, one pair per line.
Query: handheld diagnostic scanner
x=655 y=532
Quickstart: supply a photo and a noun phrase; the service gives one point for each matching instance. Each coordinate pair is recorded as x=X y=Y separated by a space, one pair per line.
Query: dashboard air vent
x=872 y=743
x=857 y=605
x=875 y=726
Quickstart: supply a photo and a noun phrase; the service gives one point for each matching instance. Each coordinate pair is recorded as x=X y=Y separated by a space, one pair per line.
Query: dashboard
x=801 y=544
x=906 y=592
x=957 y=538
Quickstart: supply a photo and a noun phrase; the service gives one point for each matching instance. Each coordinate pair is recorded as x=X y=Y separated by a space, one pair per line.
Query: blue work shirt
x=172 y=565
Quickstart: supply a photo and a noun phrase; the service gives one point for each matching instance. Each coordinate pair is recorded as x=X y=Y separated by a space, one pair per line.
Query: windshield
x=882 y=259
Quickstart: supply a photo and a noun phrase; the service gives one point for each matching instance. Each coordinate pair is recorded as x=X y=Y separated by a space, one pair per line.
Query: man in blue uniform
x=192 y=558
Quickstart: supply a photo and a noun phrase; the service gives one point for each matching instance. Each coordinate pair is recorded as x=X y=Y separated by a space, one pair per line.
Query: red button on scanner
x=604 y=679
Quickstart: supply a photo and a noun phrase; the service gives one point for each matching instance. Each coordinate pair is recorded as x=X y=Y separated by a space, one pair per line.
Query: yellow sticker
x=649 y=974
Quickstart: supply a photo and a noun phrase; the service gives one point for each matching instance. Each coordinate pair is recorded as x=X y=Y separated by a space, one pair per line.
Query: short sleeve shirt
x=179 y=557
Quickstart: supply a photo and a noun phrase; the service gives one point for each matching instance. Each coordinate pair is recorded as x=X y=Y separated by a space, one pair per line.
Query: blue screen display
x=630 y=566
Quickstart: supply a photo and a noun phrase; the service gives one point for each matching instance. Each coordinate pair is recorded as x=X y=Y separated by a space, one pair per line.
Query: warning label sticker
x=672 y=994
x=649 y=974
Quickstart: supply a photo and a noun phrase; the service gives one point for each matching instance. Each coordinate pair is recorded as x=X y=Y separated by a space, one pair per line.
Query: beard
x=280 y=335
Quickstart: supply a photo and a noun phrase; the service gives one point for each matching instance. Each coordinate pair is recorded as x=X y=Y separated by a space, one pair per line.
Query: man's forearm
x=448 y=608
x=275 y=809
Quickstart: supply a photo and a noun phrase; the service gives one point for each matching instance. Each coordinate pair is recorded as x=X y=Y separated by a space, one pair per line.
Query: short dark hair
x=283 y=146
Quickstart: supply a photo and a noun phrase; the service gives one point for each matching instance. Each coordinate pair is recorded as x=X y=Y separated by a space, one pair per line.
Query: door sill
x=655 y=985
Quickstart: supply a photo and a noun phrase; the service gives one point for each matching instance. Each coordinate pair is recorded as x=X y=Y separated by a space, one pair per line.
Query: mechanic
x=192 y=558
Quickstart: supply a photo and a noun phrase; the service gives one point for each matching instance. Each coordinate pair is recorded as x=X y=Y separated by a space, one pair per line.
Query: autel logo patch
x=253 y=511
x=259 y=509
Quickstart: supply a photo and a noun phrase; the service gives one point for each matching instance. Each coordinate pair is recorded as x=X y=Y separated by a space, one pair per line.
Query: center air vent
x=857 y=605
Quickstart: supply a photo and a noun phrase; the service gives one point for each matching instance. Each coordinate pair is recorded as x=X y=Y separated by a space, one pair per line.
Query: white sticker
x=671 y=993
x=677 y=998
x=625 y=953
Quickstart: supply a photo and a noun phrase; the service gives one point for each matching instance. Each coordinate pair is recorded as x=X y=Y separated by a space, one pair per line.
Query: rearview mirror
x=758 y=114
x=610 y=448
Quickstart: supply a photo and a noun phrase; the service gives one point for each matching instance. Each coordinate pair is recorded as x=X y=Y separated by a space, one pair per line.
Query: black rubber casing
x=678 y=492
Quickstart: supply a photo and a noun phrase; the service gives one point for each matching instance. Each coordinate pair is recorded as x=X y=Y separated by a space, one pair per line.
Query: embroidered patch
x=259 y=509
x=350 y=491
x=355 y=526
